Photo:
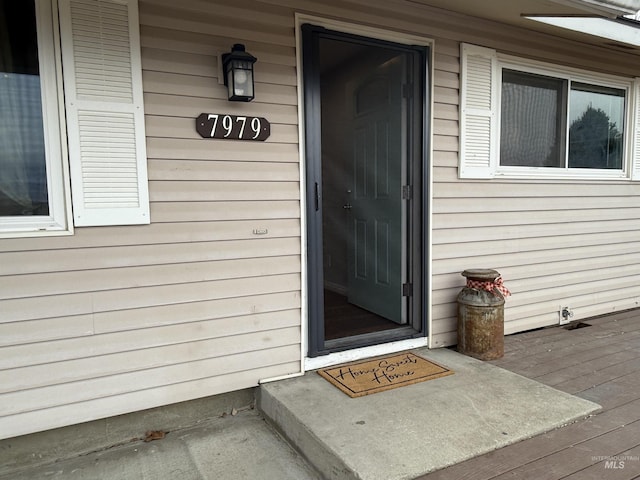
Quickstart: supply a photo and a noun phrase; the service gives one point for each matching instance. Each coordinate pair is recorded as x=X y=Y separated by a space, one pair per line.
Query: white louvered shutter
x=105 y=115
x=635 y=132
x=478 y=116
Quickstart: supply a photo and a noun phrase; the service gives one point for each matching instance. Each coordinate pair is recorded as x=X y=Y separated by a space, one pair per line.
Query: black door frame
x=418 y=146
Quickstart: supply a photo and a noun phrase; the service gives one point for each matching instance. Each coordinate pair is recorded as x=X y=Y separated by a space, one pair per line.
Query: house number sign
x=232 y=127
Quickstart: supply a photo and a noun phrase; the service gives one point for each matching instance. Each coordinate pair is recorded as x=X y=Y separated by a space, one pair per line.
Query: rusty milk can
x=481 y=315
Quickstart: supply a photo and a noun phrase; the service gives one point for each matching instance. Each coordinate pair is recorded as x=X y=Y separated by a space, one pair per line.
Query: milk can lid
x=485 y=274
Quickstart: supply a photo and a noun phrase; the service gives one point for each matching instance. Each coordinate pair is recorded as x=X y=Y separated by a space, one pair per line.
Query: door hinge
x=407 y=289
x=407 y=192
x=407 y=90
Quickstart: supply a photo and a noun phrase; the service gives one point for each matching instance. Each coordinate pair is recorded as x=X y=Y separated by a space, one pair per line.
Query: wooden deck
x=600 y=363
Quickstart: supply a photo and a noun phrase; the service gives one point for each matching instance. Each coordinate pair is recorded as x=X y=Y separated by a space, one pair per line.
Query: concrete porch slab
x=413 y=430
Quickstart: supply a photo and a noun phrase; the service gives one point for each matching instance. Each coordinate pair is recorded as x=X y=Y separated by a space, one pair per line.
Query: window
x=71 y=116
x=559 y=123
x=596 y=127
x=31 y=185
x=532 y=120
x=522 y=118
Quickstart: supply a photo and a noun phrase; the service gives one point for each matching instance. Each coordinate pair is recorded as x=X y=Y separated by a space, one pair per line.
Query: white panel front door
x=375 y=197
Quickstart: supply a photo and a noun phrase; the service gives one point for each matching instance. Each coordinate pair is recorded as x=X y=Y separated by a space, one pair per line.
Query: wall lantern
x=238 y=73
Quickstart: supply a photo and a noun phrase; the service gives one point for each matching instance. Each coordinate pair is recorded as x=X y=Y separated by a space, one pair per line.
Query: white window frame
x=58 y=222
x=571 y=75
x=480 y=96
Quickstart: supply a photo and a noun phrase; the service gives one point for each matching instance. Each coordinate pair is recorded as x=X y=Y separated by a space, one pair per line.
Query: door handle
x=348 y=206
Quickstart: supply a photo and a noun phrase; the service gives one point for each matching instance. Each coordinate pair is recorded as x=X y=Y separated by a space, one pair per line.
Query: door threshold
x=337 y=358
x=401 y=332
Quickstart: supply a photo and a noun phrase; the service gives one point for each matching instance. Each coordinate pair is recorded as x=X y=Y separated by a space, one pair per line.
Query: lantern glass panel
x=243 y=83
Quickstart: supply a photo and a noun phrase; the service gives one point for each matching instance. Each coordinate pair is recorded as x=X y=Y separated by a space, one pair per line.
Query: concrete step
x=409 y=431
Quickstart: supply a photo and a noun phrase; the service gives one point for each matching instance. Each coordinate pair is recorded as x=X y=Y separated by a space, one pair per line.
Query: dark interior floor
x=343 y=319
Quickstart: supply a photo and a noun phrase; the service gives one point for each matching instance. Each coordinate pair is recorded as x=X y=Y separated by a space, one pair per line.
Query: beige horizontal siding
x=159 y=352
x=445 y=112
x=174 y=320
x=55 y=283
x=201 y=87
x=239 y=227
x=178 y=191
x=223 y=171
x=204 y=300
x=202 y=211
x=100 y=303
x=126 y=256
x=553 y=216
x=201 y=43
x=254 y=28
x=191 y=107
x=194 y=361
x=200 y=149
x=244 y=370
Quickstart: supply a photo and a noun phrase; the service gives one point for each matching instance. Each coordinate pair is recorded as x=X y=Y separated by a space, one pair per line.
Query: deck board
x=614 y=392
x=614 y=372
x=583 y=366
x=600 y=363
x=558 y=353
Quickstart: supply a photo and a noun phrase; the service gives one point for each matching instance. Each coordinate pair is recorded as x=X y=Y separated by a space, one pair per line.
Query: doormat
x=358 y=379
